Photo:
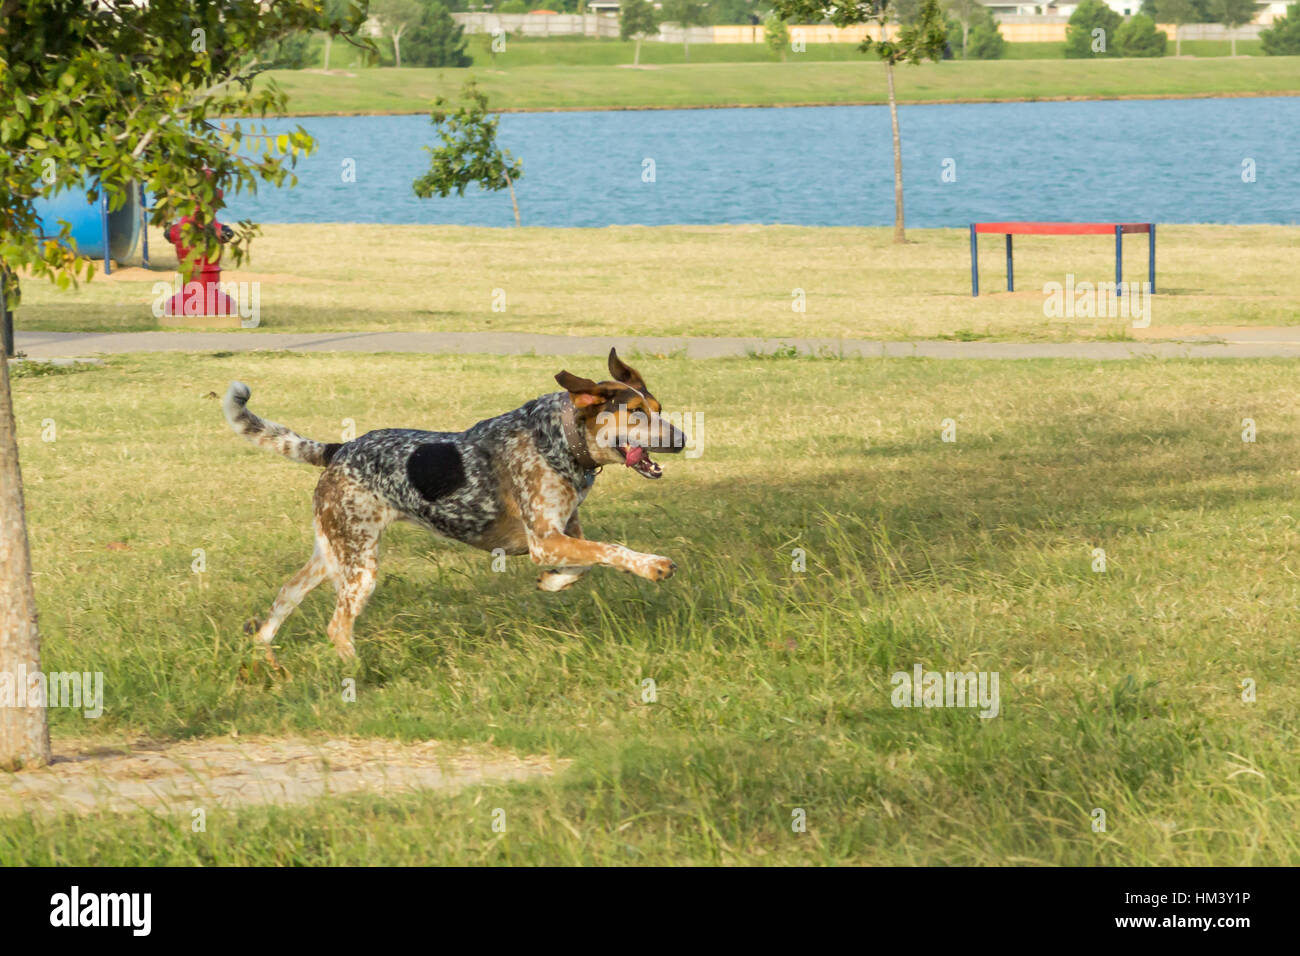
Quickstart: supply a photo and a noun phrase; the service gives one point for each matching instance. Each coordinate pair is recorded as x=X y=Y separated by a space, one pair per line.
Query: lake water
x=1137 y=160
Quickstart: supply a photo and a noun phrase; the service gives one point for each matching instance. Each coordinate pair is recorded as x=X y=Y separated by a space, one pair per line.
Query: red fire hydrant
x=201 y=294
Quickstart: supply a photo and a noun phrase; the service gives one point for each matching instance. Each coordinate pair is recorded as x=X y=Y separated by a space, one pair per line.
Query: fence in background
x=541 y=25
x=1014 y=29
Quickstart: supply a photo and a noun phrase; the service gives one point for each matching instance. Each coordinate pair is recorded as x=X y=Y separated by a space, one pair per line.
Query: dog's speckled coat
x=512 y=482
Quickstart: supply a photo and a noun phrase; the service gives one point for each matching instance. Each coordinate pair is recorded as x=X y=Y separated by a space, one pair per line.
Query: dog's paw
x=659 y=568
x=553 y=580
x=557 y=579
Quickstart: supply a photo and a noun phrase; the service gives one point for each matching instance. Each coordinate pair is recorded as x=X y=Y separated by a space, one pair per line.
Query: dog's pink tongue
x=634 y=454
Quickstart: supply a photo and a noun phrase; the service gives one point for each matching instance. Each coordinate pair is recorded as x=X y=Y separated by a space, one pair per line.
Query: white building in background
x=1016 y=9
x=1271 y=11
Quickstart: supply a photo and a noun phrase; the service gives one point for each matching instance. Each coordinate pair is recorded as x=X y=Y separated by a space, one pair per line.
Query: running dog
x=512 y=482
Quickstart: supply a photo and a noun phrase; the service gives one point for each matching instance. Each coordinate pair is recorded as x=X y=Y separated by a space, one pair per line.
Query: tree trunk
x=329 y=37
x=636 y=55
x=24 y=735
x=965 y=32
x=397 y=48
x=513 y=202
x=686 y=44
x=1233 y=40
x=899 y=235
x=1178 y=39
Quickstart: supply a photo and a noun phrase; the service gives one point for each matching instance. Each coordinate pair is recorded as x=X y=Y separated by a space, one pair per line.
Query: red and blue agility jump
x=1009 y=229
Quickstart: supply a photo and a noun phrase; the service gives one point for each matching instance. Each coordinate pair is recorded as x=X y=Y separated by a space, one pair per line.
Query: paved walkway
x=1248 y=343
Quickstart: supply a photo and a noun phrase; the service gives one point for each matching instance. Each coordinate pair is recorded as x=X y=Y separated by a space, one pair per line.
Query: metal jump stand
x=1010 y=229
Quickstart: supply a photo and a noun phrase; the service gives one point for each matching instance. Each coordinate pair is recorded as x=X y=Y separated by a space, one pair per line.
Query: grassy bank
x=706 y=280
x=860 y=80
x=1119 y=690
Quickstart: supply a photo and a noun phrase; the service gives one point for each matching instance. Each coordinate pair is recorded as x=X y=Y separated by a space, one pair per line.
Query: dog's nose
x=672 y=442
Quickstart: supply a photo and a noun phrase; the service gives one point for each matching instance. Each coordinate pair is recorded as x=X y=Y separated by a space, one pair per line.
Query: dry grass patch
x=707 y=280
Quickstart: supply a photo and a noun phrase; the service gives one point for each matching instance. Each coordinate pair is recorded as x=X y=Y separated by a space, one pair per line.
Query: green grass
x=1218 y=47
x=725 y=280
x=859 y=80
x=1118 y=690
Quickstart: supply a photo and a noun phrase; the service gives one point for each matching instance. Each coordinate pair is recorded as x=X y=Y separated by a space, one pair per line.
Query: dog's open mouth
x=638 y=459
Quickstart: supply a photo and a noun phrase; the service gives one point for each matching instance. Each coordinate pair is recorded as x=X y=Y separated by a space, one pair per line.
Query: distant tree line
x=719 y=12
x=415 y=33
x=422 y=32
x=1097 y=30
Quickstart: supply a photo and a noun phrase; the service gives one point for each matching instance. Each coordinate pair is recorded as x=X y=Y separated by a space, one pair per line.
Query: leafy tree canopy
x=637 y=18
x=1082 y=38
x=985 y=41
x=921 y=40
x=1138 y=37
x=1283 y=38
x=469 y=152
x=1181 y=11
x=686 y=13
x=435 y=39
x=105 y=96
x=1233 y=13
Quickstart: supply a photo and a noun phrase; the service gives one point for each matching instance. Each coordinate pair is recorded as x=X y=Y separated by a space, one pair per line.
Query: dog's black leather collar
x=575 y=436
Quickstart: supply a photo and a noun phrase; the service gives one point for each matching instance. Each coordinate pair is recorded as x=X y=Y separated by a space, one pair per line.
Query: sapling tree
x=964 y=12
x=1177 y=12
x=686 y=14
x=776 y=34
x=922 y=39
x=1233 y=14
x=336 y=9
x=637 y=19
x=396 y=17
x=469 y=152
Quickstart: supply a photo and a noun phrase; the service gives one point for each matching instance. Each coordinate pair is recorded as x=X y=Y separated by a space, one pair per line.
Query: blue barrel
x=75 y=208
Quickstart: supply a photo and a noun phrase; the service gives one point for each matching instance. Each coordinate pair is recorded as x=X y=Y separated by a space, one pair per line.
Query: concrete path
x=1261 y=343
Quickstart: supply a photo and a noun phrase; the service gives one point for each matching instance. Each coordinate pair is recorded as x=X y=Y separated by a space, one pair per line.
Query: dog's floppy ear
x=583 y=391
x=625 y=373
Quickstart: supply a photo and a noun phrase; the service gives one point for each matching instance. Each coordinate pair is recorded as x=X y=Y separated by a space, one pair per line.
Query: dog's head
x=623 y=421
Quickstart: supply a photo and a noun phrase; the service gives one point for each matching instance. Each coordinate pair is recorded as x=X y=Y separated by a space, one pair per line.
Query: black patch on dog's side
x=331 y=450
x=435 y=470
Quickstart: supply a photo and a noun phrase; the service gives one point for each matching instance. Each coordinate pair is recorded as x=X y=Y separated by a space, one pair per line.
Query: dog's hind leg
x=349 y=520
x=355 y=585
x=290 y=596
x=557 y=579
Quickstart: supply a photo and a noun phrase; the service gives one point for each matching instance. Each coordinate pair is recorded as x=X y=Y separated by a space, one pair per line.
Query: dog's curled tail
x=270 y=435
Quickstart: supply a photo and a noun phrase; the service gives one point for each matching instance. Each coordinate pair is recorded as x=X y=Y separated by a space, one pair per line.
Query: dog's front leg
x=557 y=579
x=557 y=548
x=547 y=505
x=547 y=544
